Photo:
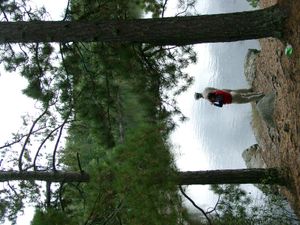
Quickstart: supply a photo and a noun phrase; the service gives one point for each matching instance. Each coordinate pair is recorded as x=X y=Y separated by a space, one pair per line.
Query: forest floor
x=276 y=72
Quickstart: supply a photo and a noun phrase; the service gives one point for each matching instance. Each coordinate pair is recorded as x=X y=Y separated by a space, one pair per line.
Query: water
x=214 y=138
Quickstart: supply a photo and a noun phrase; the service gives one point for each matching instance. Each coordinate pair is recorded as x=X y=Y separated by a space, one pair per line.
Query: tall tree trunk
x=238 y=176
x=57 y=176
x=164 y=31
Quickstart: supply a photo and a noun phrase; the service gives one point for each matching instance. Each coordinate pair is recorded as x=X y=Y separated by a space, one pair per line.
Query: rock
x=253 y=157
x=265 y=108
x=250 y=66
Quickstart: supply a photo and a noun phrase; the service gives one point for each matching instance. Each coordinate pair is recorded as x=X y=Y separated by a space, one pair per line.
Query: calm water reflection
x=214 y=138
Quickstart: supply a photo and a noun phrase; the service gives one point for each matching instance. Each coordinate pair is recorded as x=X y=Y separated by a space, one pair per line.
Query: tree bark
x=57 y=176
x=238 y=176
x=160 y=31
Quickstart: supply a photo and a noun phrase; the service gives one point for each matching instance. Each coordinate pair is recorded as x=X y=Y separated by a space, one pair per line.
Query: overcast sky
x=14 y=104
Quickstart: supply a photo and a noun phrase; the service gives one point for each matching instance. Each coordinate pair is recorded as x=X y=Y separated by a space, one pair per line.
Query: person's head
x=211 y=97
x=198 y=95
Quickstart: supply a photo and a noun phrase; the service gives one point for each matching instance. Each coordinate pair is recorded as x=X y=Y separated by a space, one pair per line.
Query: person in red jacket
x=220 y=97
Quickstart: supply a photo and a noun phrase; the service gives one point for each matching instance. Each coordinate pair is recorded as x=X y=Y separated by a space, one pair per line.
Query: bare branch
x=7 y=19
x=50 y=176
x=21 y=136
x=28 y=137
x=36 y=53
x=83 y=61
x=188 y=5
x=21 y=48
x=93 y=209
x=57 y=143
x=4 y=13
x=113 y=214
x=42 y=144
x=48 y=194
x=215 y=207
x=119 y=219
x=60 y=193
x=195 y=205
x=78 y=161
x=67 y=11
x=164 y=7
x=63 y=58
x=13 y=189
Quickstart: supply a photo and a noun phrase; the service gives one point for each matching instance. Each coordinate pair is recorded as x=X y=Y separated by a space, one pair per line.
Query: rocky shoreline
x=276 y=120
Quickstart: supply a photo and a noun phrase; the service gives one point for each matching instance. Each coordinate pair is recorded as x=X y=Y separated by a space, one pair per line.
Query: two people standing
x=220 y=97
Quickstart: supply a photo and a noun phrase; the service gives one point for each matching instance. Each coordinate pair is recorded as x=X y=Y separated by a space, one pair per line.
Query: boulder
x=253 y=157
x=265 y=108
x=250 y=66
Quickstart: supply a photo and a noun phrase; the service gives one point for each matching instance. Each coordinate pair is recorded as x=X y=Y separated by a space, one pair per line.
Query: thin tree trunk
x=164 y=31
x=57 y=176
x=237 y=176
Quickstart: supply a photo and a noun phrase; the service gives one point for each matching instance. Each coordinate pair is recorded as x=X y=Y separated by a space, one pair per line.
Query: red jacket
x=226 y=96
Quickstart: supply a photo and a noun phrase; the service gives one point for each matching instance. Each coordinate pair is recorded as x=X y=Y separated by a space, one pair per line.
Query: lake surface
x=213 y=137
